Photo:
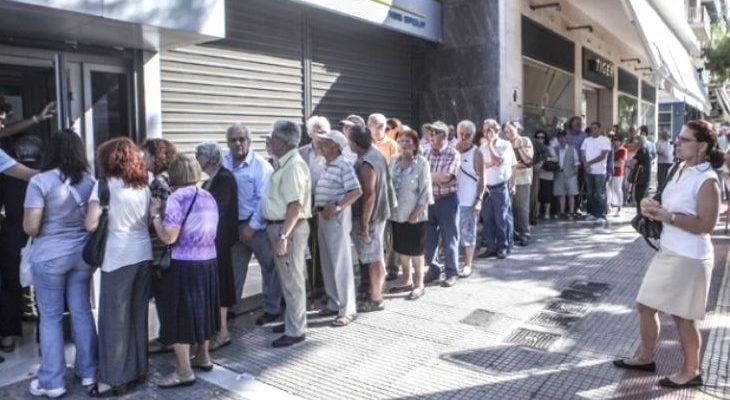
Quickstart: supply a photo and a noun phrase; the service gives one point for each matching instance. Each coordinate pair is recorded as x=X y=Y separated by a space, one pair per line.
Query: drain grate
x=598 y=288
x=480 y=318
x=533 y=339
x=553 y=320
x=578 y=295
x=566 y=307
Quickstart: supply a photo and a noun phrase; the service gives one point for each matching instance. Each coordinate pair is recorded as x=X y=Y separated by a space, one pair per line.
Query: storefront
x=599 y=81
x=648 y=115
x=548 y=96
x=628 y=100
x=283 y=59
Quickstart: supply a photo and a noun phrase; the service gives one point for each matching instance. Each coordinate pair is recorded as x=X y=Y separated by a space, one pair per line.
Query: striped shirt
x=337 y=179
x=445 y=160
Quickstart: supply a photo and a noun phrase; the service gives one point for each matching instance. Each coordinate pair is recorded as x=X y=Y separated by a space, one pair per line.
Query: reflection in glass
x=628 y=111
x=110 y=105
x=648 y=114
x=548 y=98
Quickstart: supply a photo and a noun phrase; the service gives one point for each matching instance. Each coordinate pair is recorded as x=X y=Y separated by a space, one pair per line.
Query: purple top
x=197 y=237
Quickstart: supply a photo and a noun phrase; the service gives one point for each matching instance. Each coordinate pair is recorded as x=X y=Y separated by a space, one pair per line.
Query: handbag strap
x=672 y=170
x=185 y=218
x=74 y=193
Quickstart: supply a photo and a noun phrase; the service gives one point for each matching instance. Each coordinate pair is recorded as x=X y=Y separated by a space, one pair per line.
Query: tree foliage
x=717 y=57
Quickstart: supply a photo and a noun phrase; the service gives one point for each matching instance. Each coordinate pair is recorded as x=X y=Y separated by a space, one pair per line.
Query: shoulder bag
x=166 y=258
x=95 y=247
x=647 y=227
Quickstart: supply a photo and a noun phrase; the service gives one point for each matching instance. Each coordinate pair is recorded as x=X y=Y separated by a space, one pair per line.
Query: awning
x=720 y=104
x=671 y=60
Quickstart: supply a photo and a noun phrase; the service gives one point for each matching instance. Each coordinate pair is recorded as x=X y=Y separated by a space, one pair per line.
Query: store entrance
x=597 y=104
x=589 y=104
x=28 y=89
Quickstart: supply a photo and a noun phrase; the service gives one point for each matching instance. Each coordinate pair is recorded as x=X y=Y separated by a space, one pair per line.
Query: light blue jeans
x=59 y=281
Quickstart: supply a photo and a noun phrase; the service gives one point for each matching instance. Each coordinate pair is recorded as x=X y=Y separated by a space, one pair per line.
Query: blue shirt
x=576 y=139
x=252 y=176
x=5 y=161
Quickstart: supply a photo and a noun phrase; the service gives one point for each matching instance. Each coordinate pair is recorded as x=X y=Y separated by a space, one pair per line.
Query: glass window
x=110 y=105
x=548 y=97
x=628 y=110
x=648 y=114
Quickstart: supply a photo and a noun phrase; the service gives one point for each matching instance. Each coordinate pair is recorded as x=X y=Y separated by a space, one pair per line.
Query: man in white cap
x=337 y=189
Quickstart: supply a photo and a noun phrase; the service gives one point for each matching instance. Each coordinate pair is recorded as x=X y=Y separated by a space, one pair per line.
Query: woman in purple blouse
x=188 y=299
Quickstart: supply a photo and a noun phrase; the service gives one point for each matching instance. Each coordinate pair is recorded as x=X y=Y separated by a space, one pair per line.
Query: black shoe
x=370 y=306
x=326 y=312
x=488 y=254
x=278 y=328
x=501 y=254
x=522 y=242
x=401 y=289
x=649 y=367
x=391 y=275
x=694 y=382
x=431 y=278
x=266 y=318
x=286 y=341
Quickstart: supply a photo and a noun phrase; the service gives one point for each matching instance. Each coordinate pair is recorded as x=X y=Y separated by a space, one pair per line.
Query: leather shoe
x=648 y=367
x=501 y=254
x=285 y=341
x=278 y=328
x=668 y=383
x=449 y=282
x=488 y=254
x=266 y=318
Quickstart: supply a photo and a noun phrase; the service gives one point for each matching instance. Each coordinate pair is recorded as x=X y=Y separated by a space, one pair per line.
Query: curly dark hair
x=162 y=151
x=65 y=151
x=704 y=132
x=121 y=158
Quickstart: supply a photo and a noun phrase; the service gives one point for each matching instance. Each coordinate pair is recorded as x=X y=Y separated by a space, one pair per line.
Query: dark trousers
x=596 y=186
x=443 y=223
x=497 y=217
x=11 y=294
x=315 y=282
x=640 y=189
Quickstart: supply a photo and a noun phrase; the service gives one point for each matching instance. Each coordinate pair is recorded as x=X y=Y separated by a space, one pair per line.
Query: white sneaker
x=87 y=381
x=37 y=390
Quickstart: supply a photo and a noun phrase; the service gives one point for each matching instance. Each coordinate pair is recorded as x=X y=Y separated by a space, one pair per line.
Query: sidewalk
x=543 y=324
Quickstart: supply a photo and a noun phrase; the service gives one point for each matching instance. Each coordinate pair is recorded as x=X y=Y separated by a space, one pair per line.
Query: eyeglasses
x=240 y=140
x=685 y=139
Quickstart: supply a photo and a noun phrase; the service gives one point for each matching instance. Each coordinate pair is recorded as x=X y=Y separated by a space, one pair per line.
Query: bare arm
x=167 y=234
x=93 y=212
x=481 y=181
x=21 y=172
x=32 y=221
x=598 y=158
x=350 y=198
x=708 y=206
x=367 y=181
x=20 y=126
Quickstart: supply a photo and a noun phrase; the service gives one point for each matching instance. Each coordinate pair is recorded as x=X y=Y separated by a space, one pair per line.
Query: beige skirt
x=676 y=285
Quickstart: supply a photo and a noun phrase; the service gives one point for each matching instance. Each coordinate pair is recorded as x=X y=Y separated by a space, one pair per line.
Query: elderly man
x=252 y=173
x=499 y=161
x=443 y=214
x=377 y=125
x=470 y=191
x=287 y=204
x=524 y=152
x=371 y=212
x=336 y=190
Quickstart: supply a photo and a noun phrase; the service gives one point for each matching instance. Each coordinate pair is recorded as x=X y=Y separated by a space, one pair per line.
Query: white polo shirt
x=497 y=174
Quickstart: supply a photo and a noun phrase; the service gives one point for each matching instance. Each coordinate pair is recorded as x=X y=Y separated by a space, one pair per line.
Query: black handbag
x=93 y=253
x=550 y=166
x=166 y=258
x=647 y=227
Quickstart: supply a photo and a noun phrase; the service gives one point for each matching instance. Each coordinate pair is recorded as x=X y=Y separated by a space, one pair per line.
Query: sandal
x=194 y=364
x=465 y=272
x=326 y=312
x=370 y=306
x=7 y=344
x=113 y=391
x=343 y=320
x=216 y=343
x=174 y=380
x=416 y=294
x=401 y=288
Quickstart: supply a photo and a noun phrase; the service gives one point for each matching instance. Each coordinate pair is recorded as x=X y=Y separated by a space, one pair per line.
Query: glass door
x=107 y=111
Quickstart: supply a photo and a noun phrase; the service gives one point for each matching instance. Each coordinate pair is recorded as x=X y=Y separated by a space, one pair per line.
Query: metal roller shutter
x=253 y=76
x=358 y=68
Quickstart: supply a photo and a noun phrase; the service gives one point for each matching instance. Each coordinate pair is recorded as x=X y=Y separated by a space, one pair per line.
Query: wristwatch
x=673 y=220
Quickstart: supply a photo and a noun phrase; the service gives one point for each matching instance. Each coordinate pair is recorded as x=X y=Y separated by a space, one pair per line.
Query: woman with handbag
x=546 y=174
x=641 y=171
x=54 y=216
x=125 y=268
x=189 y=304
x=677 y=281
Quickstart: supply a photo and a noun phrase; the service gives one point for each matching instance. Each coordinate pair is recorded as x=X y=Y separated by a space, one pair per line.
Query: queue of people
x=345 y=189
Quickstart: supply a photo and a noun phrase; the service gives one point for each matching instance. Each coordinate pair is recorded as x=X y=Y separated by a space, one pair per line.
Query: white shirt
x=497 y=174
x=681 y=196
x=665 y=152
x=593 y=148
x=128 y=242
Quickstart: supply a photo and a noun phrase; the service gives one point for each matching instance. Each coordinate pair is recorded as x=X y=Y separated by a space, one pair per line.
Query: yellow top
x=388 y=147
x=289 y=183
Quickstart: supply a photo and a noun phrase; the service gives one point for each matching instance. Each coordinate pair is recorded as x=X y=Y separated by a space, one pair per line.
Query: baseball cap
x=335 y=136
x=439 y=126
x=353 y=119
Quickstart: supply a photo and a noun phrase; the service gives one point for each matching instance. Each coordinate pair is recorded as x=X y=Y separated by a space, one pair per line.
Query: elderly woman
x=336 y=190
x=522 y=177
x=125 y=271
x=189 y=306
x=412 y=181
x=641 y=171
x=677 y=281
x=222 y=185
x=55 y=208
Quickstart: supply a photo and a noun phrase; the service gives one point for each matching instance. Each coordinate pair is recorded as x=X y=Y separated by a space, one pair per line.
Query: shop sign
x=420 y=18
x=597 y=69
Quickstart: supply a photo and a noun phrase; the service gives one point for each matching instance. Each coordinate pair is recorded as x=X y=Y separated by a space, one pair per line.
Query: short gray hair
x=288 y=131
x=377 y=119
x=239 y=127
x=317 y=121
x=211 y=151
x=468 y=127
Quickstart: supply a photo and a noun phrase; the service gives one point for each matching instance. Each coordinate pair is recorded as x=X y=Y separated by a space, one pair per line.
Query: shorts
x=369 y=252
x=467 y=226
x=563 y=186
